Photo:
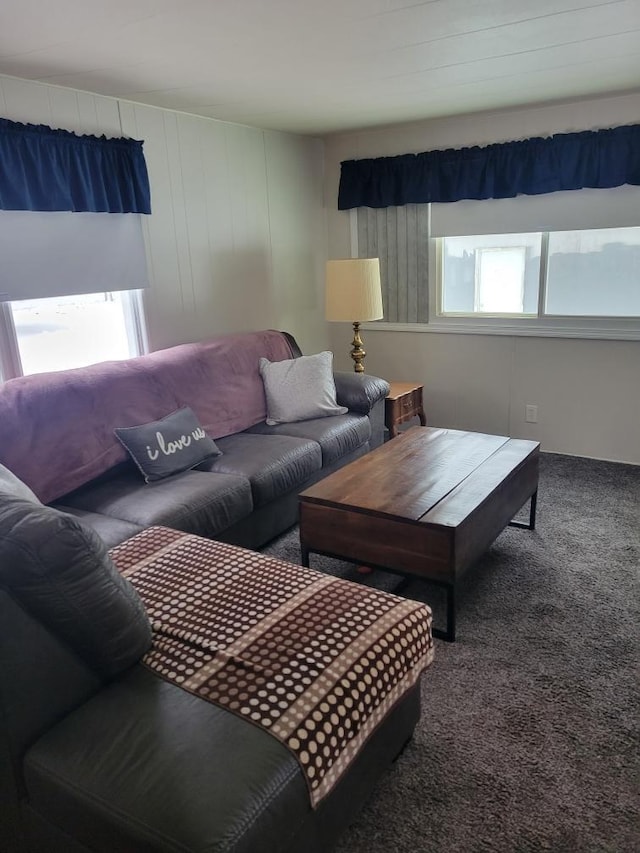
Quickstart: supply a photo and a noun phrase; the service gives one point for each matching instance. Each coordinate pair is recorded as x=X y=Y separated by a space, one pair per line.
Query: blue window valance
x=46 y=169
x=566 y=161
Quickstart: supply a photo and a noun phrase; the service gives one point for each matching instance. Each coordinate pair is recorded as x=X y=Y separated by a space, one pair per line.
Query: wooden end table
x=426 y=505
x=403 y=402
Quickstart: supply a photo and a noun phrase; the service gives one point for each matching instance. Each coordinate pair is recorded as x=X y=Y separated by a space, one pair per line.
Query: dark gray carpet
x=529 y=733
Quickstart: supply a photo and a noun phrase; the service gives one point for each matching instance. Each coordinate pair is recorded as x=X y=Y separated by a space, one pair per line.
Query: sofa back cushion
x=61 y=573
x=57 y=429
x=299 y=389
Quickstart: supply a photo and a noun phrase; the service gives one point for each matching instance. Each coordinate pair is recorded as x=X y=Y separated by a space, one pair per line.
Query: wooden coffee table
x=426 y=505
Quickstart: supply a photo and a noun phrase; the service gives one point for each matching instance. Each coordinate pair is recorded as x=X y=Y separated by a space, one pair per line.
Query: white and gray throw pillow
x=173 y=444
x=299 y=389
x=12 y=485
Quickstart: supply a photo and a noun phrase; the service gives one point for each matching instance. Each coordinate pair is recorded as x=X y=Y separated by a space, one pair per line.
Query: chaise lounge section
x=182 y=694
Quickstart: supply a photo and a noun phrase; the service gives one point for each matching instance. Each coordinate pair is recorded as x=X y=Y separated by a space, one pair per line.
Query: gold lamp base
x=357 y=351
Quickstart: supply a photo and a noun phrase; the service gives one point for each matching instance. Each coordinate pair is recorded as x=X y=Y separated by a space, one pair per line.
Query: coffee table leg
x=449 y=634
x=532 y=510
x=532 y=515
x=304 y=555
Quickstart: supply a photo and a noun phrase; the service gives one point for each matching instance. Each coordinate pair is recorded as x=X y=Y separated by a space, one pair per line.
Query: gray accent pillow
x=165 y=447
x=12 y=485
x=61 y=573
x=299 y=389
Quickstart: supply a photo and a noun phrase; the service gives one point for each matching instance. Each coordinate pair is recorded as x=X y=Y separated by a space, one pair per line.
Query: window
x=494 y=274
x=500 y=280
x=60 y=332
x=559 y=264
x=71 y=244
x=560 y=274
x=69 y=289
x=594 y=273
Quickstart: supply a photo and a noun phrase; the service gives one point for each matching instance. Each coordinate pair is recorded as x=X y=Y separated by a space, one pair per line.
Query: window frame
x=542 y=325
x=10 y=358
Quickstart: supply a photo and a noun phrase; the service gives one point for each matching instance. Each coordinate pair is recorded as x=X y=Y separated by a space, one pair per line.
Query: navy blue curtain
x=568 y=161
x=46 y=169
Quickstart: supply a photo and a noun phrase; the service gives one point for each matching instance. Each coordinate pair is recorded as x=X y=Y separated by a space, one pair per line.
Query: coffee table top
x=425 y=475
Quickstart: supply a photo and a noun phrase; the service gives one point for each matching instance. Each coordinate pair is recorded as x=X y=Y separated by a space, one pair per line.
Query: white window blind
x=60 y=253
x=562 y=211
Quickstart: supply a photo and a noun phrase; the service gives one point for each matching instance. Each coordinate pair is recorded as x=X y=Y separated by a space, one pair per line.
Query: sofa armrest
x=359 y=392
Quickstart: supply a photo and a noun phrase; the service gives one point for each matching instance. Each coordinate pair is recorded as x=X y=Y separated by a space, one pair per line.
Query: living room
x=244 y=217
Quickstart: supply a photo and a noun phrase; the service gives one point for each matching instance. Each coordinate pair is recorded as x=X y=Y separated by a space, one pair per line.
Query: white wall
x=237 y=236
x=587 y=391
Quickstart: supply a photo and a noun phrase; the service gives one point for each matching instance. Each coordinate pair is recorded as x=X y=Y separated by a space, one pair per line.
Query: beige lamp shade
x=353 y=292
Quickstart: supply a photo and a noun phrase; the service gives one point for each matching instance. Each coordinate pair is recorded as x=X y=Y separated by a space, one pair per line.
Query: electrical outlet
x=531 y=414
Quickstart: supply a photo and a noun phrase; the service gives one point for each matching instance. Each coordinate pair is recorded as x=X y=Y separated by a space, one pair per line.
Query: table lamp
x=354 y=295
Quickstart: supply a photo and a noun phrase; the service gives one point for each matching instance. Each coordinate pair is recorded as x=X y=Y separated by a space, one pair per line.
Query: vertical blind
x=399 y=236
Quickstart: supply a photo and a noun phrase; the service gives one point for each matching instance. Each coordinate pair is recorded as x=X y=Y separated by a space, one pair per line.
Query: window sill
x=517 y=330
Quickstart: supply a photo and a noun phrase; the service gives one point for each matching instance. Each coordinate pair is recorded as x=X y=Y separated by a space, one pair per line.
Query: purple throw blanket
x=56 y=429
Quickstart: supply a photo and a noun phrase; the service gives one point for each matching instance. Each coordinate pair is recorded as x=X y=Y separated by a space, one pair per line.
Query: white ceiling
x=320 y=66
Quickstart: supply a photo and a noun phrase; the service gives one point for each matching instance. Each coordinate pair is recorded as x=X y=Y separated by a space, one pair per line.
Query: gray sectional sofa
x=101 y=751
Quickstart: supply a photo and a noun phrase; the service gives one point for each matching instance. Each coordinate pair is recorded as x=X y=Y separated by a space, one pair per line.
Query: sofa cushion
x=60 y=572
x=111 y=530
x=336 y=436
x=173 y=444
x=273 y=464
x=298 y=389
x=195 y=501
x=145 y=765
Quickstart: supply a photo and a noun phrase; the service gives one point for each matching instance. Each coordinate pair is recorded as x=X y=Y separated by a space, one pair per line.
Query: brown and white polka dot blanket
x=315 y=660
